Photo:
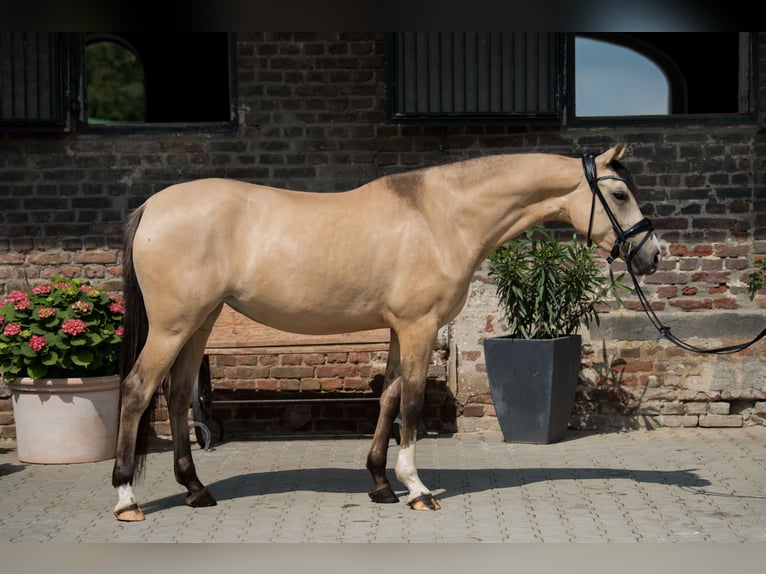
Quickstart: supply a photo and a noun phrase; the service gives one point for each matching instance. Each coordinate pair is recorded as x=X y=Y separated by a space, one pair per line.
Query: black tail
x=135 y=329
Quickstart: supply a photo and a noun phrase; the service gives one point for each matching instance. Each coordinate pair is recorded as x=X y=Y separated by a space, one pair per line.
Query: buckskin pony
x=398 y=252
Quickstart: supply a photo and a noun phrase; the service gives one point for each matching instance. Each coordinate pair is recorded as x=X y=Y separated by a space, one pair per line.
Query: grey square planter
x=533 y=384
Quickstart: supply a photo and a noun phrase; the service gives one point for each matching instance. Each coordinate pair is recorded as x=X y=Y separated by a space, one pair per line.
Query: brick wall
x=310 y=108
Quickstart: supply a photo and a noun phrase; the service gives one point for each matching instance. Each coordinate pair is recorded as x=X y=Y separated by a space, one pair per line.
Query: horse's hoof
x=130 y=513
x=424 y=502
x=200 y=499
x=383 y=494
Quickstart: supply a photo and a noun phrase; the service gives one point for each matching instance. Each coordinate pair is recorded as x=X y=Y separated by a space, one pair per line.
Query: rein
x=623 y=247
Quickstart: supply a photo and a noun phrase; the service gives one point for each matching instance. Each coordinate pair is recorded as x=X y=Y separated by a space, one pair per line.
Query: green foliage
x=65 y=328
x=757 y=278
x=547 y=288
x=114 y=83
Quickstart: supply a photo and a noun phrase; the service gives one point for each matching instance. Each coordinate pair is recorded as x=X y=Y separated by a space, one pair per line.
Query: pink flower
x=73 y=327
x=46 y=312
x=41 y=290
x=37 y=342
x=117 y=308
x=82 y=306
x=19 y=299
x=119 y=331
x=12 y=329
x=90 y=291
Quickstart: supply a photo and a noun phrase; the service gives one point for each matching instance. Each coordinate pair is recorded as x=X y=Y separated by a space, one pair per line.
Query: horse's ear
x=614 y=153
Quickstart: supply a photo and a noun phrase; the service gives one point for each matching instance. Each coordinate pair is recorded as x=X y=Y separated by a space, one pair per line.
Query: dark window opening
x=158 y=78
x=114 y=83
x=705 y=73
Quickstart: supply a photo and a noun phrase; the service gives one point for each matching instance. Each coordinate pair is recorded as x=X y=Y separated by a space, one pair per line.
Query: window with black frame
x=146 y=80
x=34 y=85
x=606 y=78
x=665 y=76
x=473 y=76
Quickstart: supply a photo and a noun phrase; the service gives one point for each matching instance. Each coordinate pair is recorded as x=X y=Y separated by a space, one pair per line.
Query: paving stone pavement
x=663 y=485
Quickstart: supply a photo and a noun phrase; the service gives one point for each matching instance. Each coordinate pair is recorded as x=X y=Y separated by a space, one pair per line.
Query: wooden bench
x=235 y=334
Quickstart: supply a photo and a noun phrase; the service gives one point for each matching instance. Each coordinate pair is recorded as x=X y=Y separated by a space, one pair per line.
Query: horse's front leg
x=416 y=348
x=381 y=490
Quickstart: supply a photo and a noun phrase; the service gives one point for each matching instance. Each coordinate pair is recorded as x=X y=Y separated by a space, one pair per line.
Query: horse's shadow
x=445 y=483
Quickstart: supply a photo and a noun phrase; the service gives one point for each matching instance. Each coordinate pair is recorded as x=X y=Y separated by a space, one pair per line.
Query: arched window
x=138 y=81
x=614 y=80
x=643 y=74
x=115 y=84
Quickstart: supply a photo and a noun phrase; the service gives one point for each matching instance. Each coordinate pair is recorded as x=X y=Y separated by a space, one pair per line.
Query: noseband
x=621 y=246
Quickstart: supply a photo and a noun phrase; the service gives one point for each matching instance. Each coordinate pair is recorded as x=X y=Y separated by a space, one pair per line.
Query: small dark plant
x=548 y=288
x=757 y=278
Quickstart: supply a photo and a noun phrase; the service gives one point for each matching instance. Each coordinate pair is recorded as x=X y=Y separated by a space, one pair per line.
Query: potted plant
x=546 y=289
x=59 y=354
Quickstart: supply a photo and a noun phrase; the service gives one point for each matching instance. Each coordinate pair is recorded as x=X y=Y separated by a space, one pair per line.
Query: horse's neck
x=496 y=198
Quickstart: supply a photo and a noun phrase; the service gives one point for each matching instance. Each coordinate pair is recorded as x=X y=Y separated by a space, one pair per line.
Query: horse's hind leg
x=137 y=391
x=389 y=405
x=179 y=395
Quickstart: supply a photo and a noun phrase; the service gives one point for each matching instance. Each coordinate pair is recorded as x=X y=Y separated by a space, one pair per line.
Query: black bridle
x=623 y=247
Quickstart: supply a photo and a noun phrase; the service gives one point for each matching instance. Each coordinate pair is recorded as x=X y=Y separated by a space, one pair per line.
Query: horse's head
x=611 y=214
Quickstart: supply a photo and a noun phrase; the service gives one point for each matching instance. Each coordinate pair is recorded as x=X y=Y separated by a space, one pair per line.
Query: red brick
x=49 y=258
x=732 y=250
x=345 y=370
x=692 y=303
x=268 y=360
x=725 y=303
x=332 y=384
x=95 y=257
x=473 y=411
x=667 y=292
x=267 y=384
x=313 y=359
x=355 y=384
x=359 y=357
x=292 y=372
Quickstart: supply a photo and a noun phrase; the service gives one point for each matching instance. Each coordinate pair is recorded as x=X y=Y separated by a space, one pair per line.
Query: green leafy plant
x=548 y=288
x=65 y=328
x=757 y=278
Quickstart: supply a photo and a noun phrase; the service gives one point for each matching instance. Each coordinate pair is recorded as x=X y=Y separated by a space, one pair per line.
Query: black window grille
x=33 y=80
x=473 y=75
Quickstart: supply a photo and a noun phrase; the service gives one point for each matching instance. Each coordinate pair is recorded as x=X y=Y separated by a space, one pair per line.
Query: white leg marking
x=125 y=497
x=407 y=473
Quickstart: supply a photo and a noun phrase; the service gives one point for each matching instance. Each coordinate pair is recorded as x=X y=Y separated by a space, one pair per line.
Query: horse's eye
x=620 y=196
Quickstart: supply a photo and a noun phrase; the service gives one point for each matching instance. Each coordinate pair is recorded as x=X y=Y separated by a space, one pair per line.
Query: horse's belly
x=319 y=320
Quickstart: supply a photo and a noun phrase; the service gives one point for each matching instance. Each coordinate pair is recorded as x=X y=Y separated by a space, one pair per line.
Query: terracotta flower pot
x=60 y=421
